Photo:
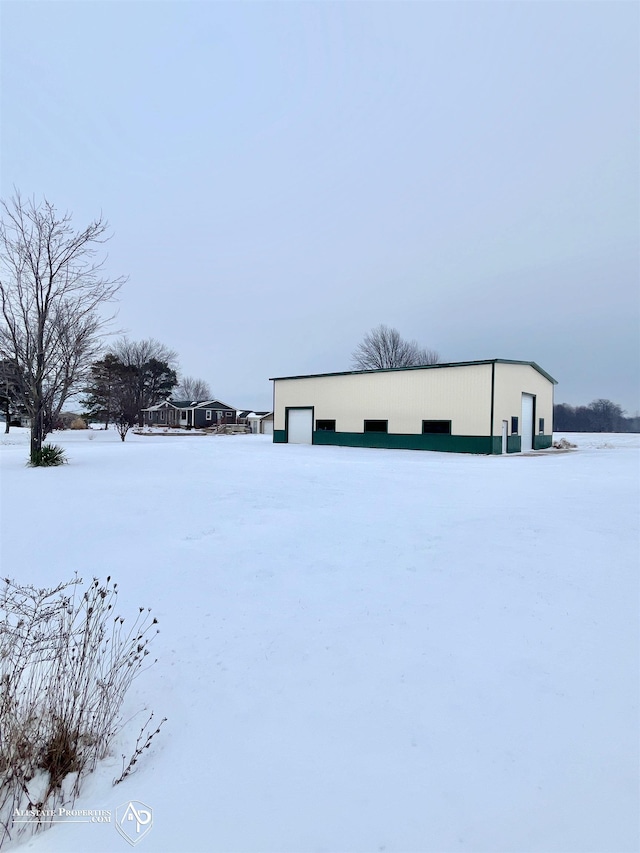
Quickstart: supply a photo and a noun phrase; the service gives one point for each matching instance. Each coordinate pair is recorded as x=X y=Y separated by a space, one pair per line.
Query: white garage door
x=300 y=426
x=267 y=427
x=527 y=422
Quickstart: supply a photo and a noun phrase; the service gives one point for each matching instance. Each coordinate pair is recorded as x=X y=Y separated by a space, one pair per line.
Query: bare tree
x=138 y=353
x=607 y=416
x=383 y=347
x=192 y=389
x=123 y=426
x=152 y=366
x=51 y=291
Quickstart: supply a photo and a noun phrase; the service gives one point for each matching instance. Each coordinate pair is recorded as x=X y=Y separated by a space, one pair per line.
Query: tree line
x=598 y=416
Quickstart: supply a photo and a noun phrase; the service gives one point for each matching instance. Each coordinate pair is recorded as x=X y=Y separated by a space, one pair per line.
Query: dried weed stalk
x=67 y=659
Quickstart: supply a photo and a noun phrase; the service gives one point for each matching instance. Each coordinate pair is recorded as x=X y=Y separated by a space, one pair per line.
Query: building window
x=326 y=426
x=162 y=416
x=376 y=426
x=541 y=426
x=436 y=427
x=183 y=416
x=208 y=415
x=514 y=426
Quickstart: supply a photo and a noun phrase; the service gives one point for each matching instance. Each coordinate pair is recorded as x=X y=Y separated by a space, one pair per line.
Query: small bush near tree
x=122 y=425
x=67 y=659
x=47 y=456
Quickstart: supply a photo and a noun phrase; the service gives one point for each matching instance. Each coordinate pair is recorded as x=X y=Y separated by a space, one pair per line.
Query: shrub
x=78 y=423
x=67 y=659
x=123 y=426
x=47 y=456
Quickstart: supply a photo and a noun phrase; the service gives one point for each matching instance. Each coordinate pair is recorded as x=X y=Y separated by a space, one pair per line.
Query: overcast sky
x=282 y=177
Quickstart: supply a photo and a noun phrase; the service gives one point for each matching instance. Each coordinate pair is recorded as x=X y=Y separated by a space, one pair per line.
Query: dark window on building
x=327 y=426
x=514 y=426
x=376 y=426
x=436 y=427
x=541 y=426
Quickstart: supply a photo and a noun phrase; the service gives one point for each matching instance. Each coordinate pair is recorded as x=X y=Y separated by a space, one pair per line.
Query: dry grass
x=67 y=659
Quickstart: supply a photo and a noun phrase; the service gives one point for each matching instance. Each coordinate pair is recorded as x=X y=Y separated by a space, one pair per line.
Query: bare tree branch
x=192 y=389
x=138 y=353
x=383 y=347
x=153 y=370
x=52 y=288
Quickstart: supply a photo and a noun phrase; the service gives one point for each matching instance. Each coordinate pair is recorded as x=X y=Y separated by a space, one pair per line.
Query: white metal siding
x=511 y=381
x=405 y=398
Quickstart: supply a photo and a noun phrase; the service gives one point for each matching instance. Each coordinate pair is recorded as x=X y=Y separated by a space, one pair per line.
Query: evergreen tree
x=100 y=389
x=11 y=392
x=151 y=373
x=118 y=391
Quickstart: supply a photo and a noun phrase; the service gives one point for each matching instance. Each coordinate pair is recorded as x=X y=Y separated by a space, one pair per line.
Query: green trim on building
x=493 y=361
x=446 y=443
x=481 y=444
x=514 y=444
x=496 y=445
x=542 y=442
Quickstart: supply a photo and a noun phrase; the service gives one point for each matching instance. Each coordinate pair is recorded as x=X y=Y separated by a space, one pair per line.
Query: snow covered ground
x=360 y=650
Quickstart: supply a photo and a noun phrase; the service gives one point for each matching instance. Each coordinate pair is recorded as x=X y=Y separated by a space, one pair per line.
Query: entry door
x=527 y=422
x=505 y=433
x=300 y=426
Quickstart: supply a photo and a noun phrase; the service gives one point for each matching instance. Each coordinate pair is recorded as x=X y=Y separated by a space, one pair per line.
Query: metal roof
x=422 y=367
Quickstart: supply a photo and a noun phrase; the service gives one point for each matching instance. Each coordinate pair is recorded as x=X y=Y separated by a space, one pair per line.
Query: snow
x=360 y=650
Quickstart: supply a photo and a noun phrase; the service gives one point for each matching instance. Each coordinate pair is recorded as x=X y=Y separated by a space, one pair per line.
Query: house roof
x=213 y=404
x=163 y=405
x=189 y=404
x=423 y=367
x=251 y=414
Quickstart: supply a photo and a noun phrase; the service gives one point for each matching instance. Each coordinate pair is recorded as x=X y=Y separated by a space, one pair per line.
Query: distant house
x=198 y=414
x=17 y=420
x=266 y=424
x=260 y=422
